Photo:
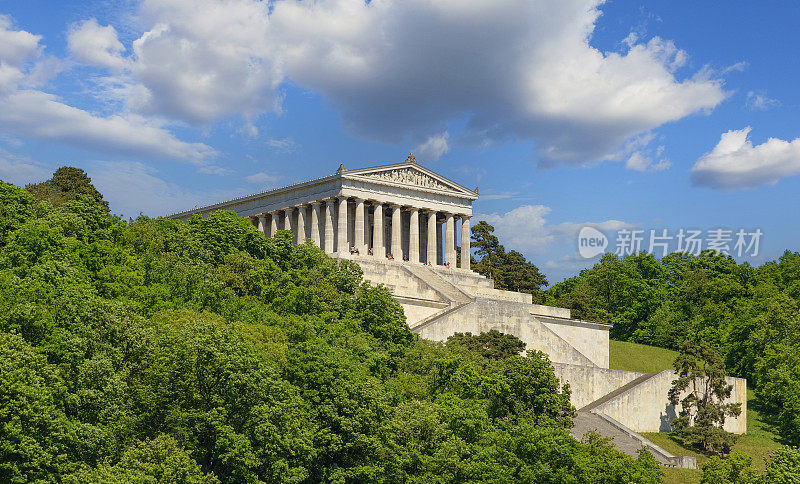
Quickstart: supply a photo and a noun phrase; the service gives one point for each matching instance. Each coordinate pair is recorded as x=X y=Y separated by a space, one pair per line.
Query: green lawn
x=642 y=358
x=758 y=442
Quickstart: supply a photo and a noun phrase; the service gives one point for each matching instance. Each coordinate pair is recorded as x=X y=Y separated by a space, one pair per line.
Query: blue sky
x=621 y=115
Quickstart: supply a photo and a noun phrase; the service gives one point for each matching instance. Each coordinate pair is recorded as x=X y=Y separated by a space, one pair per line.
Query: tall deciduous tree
x=66 y=184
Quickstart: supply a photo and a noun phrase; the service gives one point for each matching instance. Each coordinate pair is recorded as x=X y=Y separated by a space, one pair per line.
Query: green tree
x=16 y=207
x=778 y=387
x=38 y=440
x=527 y=387
x=508 y=270
x=488 y=250
x=201 y=351
x=158 y=461
x=66 y=184
x=783 y=466
x=493 y=344
x=701 y=390
x=737 y=468
x=522 y=276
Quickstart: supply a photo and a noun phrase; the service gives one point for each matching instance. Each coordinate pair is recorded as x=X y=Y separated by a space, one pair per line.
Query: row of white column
x=334 y=229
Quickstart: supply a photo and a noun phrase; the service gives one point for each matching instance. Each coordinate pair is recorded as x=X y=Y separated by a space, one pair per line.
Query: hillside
x=163 y=351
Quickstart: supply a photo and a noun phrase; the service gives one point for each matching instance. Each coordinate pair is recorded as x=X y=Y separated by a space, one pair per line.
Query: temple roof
x=408 y=175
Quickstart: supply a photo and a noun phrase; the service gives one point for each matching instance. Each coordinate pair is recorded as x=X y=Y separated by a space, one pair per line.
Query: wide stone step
x=438 y=283
x=624 y=439
x=587 y=421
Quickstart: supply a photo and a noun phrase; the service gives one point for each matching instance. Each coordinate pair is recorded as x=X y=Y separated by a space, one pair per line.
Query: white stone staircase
x=455 y=297
x=467 y=313
x=445 y=288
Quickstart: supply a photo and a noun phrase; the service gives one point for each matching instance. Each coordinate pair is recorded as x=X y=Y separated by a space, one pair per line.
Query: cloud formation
x=516 y=69
x=758 y=101
x=526 y=228
x=736 y=164
x=638 y=161
x=202 y=60
x=93 y=44
x=16 y=46
x=399 y=70
x=32 y=113
x=434 y=147
x=262 y=178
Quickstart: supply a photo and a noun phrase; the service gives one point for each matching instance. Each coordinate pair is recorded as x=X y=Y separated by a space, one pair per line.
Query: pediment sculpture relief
x=408 y=177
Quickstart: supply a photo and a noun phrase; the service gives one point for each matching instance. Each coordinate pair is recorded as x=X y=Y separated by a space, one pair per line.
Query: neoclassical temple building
x=403 y=224
x=403 y=212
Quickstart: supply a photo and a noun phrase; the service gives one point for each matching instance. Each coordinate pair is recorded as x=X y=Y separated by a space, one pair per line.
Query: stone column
x=466 y=239
x=262 y=224
x=439 y=241
x=341 y=232
x=413 y=235
x=378 y=246
x=301 y=224
x=328 y=226
x=315 y=224
x=450 y=241
x=431 y=238
x=273 y=223
x=397 y=242
x=288 y=222
x=359 y=243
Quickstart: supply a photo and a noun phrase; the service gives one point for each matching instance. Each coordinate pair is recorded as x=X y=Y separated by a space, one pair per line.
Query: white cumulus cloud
x=397 y=70
x=33 y=113
x=526 y=229
x=639 y=161
x=516 y=69
x=736 y=164
x=36 y=114
x=16 y=46
x=202 y=60
x=91 y=43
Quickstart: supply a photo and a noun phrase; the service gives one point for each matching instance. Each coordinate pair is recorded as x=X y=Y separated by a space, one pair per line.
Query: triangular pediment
x=411 y=175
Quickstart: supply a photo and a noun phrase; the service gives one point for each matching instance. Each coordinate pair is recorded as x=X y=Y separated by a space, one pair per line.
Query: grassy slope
x=642 y=358
x=757 y=443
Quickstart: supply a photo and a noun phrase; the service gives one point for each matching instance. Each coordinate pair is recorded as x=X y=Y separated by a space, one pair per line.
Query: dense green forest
x=749 y=315
x=161 y=351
